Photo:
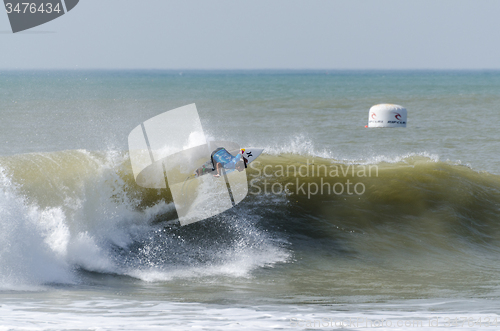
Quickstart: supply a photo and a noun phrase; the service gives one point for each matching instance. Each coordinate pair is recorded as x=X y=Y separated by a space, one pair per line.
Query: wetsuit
x=222 y=156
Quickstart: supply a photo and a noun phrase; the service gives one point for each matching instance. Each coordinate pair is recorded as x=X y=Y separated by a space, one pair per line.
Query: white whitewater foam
x=32 y=243
x=118 y=314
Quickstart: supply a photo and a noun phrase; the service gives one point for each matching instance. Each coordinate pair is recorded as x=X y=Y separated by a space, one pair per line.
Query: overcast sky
x=262 y=34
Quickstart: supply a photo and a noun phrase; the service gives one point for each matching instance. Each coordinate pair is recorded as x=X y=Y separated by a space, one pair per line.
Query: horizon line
x=249 y=70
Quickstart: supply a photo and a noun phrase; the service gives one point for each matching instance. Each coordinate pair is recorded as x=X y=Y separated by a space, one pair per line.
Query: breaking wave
x=66 y=213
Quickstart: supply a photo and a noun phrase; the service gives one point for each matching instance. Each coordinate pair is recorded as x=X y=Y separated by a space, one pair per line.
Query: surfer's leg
x=212 y=158
x=217 y=168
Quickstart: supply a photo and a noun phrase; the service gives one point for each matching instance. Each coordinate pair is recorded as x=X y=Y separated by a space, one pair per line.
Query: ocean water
x=344 y=226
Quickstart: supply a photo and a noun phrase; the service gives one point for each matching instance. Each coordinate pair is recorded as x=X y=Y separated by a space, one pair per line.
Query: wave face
x=412 y=201
x=65 y=213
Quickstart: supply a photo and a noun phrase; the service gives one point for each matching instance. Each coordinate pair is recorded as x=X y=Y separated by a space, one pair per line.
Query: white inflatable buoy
x=387 y=116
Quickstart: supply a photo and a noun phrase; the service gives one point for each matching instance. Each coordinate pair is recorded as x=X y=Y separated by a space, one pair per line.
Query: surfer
x=221 y=158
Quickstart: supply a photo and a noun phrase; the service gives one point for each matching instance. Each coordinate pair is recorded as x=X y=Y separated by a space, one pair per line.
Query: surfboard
x=250 y=154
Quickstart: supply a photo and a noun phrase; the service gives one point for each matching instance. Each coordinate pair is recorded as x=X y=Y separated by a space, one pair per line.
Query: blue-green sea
x=415 y=246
